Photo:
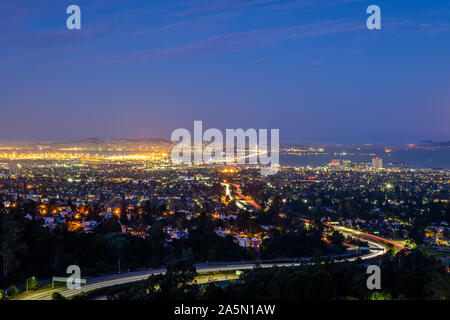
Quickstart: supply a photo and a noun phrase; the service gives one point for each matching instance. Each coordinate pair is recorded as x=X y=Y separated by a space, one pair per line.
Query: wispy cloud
x=45 y=53
x=212 y=6
x=48 y=38
x=435 y=27
x=213 y=11
x=239 y=41
x=204 y=22
x=297 y=4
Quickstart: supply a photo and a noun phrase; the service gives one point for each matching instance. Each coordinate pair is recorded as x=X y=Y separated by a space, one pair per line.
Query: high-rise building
x=377 y=163
x=347 y=164
x=335 y=163
x=12 y=169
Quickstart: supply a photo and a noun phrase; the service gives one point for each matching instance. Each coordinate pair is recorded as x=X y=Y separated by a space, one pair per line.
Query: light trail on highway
x=109 y=281
x=103 y=282
x=361 y=234
x=240 y=195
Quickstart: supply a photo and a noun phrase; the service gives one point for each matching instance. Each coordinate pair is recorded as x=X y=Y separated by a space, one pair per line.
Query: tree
x=380 y=296
x=439 y=288
x=12 y=291
x=211 y=291
x=179 y=274
x=11 y=242
x=116 y=244
x=187 y=255
x=32 y=283
x=417 y=232
x=58 y=296
x=109 y=226
x=275 y=205
x=337 y=238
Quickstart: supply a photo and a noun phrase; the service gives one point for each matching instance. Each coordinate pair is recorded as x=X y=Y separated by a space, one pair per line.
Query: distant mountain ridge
x=97 y=141
x=437 y=144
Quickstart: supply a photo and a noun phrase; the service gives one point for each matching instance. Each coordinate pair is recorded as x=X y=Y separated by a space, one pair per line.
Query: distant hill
x=88 y=144
x=110 y=141
x=437 y=144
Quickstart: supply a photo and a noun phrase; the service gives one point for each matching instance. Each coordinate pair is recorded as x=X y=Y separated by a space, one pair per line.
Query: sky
x=141 y=69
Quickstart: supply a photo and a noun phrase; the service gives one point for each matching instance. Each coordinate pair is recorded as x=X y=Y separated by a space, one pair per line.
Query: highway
x=241 y=200
x=368 y=237
x=107 y=281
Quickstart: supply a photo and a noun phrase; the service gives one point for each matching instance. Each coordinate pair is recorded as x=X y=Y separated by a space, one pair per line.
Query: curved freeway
x=369 y=237
x=112 y=280
x=107 y=281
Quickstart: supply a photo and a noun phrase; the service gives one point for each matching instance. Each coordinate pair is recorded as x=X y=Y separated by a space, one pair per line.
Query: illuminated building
x=346 y=163
x=377 y=163
x=335 y=163
x=12 y=169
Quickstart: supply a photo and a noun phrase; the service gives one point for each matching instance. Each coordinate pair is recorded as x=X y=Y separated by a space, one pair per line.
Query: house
x=89 y=225
x=242 y=241
x=256 y=245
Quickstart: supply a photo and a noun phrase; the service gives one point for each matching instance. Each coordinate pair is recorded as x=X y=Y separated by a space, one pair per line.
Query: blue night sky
x=140 y=69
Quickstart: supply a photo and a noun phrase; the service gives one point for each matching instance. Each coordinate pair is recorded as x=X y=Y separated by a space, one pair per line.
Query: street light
x=33 y=278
